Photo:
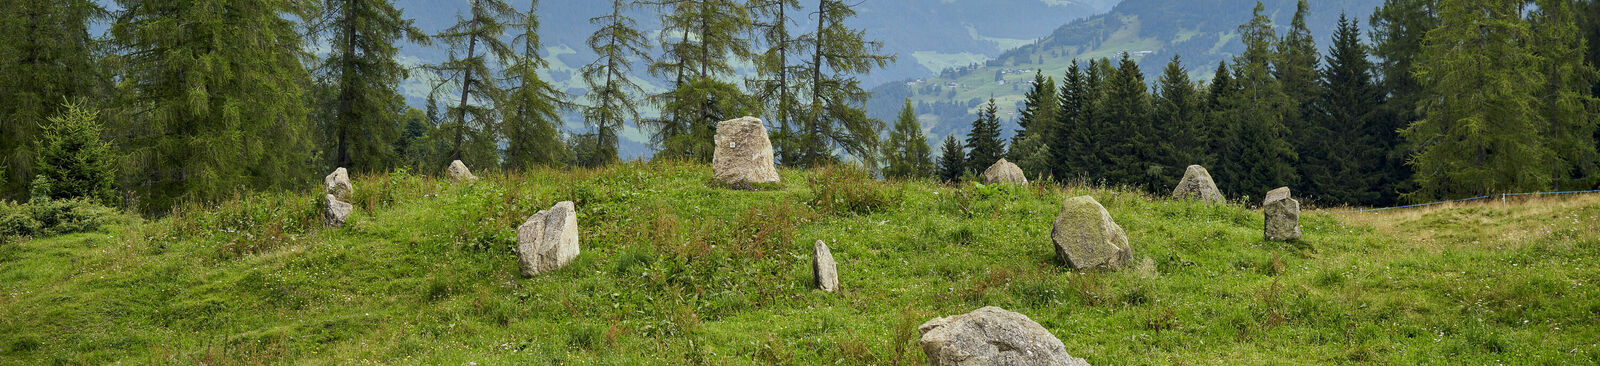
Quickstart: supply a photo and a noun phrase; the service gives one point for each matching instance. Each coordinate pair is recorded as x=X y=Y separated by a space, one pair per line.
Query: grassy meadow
x=676 y=270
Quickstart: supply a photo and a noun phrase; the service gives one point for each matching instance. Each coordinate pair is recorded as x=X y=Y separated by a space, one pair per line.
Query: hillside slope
x=676 y=271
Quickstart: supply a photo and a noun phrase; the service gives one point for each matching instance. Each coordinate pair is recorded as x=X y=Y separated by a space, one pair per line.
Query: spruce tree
x=1398 y=27
x=1220 y=120
x=776 y=76
x=1030 y=149
x=207 y=133
x=1481 y=130
x=836 y=116
x=1263 y=158
x=907 y=152
x=952 y=160
x=362 y=66
x=1073 y=135
x=613 y=95
x=532 y=125
x=72 y=156
x=1347 y=163
x=1130 y=138
x=474 y=121
x=1565 y=102
x=1296 y=65
x=984 y=146
x=47 y=56
x=1177 y=120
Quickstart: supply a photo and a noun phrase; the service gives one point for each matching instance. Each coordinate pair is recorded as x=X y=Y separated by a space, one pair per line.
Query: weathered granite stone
x=823 y=269
x=1197 y=185
x=1004 y=172
x=548 y=240
x=1282 y=215
x=1086 y=237
x=743 y=154
x=992 y=336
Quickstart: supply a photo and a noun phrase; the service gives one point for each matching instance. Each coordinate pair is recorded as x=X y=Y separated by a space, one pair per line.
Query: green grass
x=676 y=271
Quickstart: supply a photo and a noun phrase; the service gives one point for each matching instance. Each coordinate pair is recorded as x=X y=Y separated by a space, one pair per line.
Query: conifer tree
x=475 y=122
x=47 y=56
x=1131 y=139
x=532 y=125
x=776 y=77
x=1263 y=158
x=1481 y=130
x=1177 y=119
x=206 y=133
x=1073 y=135
x=613 y=96
x=952 y=160
x=907 y=150
x=72 y=156
x=1030 y=149
x=698 y=38
x=1347 y=162
x=1297 y=63
x=835 y=116
x=362 y=66
x=1220 y=120
x=984 y=146
x=1398 y=27
x=1565 y=102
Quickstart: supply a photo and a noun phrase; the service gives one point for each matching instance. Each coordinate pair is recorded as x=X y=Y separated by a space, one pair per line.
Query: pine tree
x=206 y=133
x=1263 y=158
x=1347 y=162
x=612 y=98
x=72 y=156
x=1177 y=119
x=952 y=160
x=907 y=150
x=362 y=66
x=701 y=39
x=532 y=125
x=473 y=40
x=835 y=116
x=983 y=143
x=47 y=56
x=1130 y=139
x=1481 y=130
x=1565 y=102
x=1029 y=147
x=776 y=77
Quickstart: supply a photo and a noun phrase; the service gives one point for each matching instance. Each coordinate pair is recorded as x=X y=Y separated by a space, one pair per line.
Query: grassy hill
x=676 y=271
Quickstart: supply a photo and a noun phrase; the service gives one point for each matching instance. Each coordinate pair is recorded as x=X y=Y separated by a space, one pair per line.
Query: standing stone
x=1197 y=185
x=548 y=240
x=823 y=268
x=744 y=154
x=1004 y=172
x=335 y=212
x=1282 y=215
x=459 y=172
x=338 y=184
x=992 y=336
x=1086 y=237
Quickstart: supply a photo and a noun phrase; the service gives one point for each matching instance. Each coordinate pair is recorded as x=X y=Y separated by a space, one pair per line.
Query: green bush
x=53 y=217
x=72 y=156
x=843 y=189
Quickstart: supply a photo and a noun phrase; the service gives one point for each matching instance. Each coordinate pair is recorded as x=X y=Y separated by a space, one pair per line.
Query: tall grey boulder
x=992 y=336
x=744 y=154
x=334 y=211
x=1004 y=172
x=338 y=184
x=823 y=268
x=1282 y=214
x=1085 y=236
x=548 y=240
x=1197 y=185
x=458 y=171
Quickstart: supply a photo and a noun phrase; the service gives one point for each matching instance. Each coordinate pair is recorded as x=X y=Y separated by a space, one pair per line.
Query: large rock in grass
x=744 y=154
x=338 y=184
x=334 y=211
x=1282 y=213
x=548 y=240
x=992 y=336
x=823 y=268
x=1086 y=237
x=1004 y=172
x=458 y=171
x=1197 y=185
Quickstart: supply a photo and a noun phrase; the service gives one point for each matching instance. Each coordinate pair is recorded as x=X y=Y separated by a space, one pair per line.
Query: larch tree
x=907 y=152
x=363 y=70
x=613 y=97
x=532 y=107
x=1565 y=102
x=207 y=133
x=776 y=76
x=835 y=116
x=48 y=57
x=474 y=121
x=700 y=39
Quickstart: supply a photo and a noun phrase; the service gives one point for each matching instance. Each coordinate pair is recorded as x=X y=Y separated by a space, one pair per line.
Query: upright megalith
x=823 y=269
x=744 y=154
x=458 y=171
x=334 y=211
x=338 y=184
x=548 y=240
x=992 y=336
x=1197 y=185
x=1004 y=172
x=1282 y=214
x=1085 y=236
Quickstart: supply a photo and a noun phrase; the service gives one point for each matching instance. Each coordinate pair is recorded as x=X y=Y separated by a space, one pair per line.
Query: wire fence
x=1501 y=196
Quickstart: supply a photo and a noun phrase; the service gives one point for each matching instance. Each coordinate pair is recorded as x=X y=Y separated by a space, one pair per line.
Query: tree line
x=1452 y=98
x=197 y=100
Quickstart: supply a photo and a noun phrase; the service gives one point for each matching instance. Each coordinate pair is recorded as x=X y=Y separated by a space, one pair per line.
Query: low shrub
x=843 y=189
x=43 y=218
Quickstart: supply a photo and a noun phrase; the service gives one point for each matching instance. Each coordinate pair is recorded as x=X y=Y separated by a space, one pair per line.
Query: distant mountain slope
x=1203 y=32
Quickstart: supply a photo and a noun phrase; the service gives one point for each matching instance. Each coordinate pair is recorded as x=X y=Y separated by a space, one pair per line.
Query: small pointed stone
x=823 y=268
